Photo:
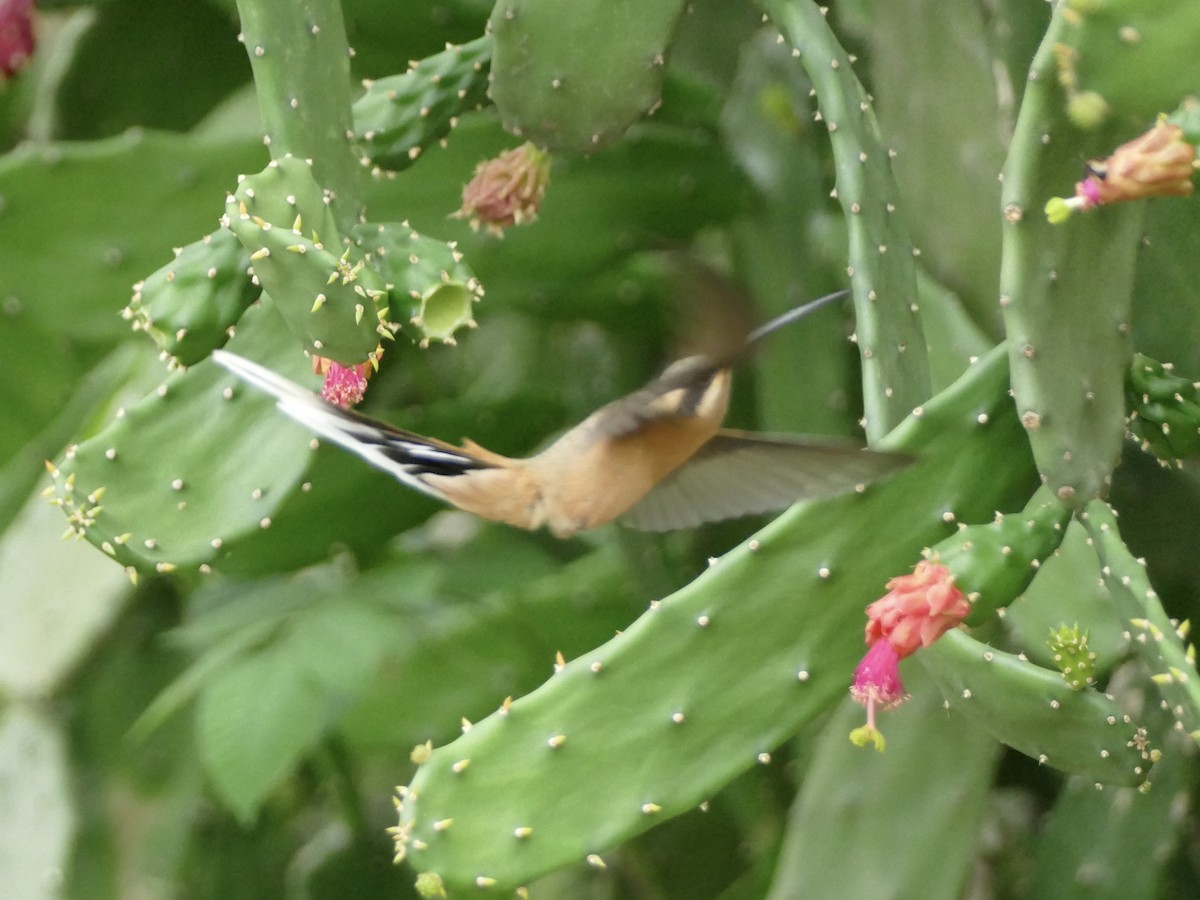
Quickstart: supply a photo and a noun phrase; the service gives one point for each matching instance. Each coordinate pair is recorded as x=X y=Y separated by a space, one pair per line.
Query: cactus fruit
x=400 y=116
x=188 y=305
x=549 y=92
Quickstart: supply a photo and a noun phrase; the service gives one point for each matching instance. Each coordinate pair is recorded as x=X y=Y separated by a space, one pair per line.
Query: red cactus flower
x=917 y=610
x=1158 y=163
x=16 y=35
x=877 y=685
x=508 y=190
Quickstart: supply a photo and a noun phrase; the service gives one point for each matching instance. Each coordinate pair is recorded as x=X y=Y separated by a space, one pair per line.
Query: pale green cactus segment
x=1164 y=409
x=1034 y=711
x=993 y=563
x=188 y=305
x=890 y=340
x=710 y=680
x=1161 y=642
x=1075 y=660
x=1187 y=117
x=401 y=115
x=334 y=303
x=1065 y=293
x=551 y=92
x=1117 y=842
x=1128 y=59
x=190 y=467
x=301 y=64
x=431 y=284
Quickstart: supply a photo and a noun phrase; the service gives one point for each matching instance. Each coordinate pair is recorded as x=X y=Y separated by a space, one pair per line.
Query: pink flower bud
x=508 y=190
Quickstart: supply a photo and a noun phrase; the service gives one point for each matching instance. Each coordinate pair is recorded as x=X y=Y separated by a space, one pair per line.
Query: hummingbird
x=655 y=460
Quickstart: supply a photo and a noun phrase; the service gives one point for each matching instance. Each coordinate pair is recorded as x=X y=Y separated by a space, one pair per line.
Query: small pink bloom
x=508 y=190
x=877 y=685
x=917 y=609
x=344 y=385
x=16 y=35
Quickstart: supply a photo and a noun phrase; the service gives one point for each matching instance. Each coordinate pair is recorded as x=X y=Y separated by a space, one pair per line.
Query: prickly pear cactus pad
x=190 y=467
x=1066 y=296
x=400 y=116
x=552 y=94
x=189 y=304
x=334 y=303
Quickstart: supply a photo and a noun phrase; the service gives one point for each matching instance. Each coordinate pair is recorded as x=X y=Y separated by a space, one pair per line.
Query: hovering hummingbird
x=656 y=459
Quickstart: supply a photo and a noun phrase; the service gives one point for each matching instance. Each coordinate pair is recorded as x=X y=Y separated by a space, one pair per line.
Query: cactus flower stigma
x=16 y=36
x=507 y=190
x=1158 y=163
x=877 y=685
x=344 y=385
x=917 y=609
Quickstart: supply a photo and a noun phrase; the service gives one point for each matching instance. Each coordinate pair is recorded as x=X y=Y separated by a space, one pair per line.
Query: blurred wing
x=402 y=454
x=675 y=394
x=740 y=474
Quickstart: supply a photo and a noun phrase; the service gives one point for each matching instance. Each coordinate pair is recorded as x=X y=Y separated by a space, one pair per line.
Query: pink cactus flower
x=917 y=610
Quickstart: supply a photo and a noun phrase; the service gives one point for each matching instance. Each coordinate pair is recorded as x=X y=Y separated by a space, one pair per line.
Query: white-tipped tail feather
x=402 y=454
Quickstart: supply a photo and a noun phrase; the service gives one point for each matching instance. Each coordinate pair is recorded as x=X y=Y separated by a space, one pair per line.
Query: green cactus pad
x=333 y=302
x=551 y=93
x=172 y=479
x=1131 y=58
x=646 y=726
x=1164 y=409
x=401 y=115
x=1065 y=292
x=188 y=305
x=301 y=66
x=895 y=362
x=1033 y=710
x=426 y=276
x=994 y=563
x=1160 y=642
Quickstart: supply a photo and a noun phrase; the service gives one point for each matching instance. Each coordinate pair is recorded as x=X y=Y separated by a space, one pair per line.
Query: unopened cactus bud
x=507 y=190
x=1072 y=656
